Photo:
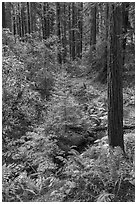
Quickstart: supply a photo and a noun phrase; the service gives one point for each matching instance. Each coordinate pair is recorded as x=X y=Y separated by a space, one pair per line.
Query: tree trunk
x=79 y=32
x=76 y=29
x=43 y=24
x=47 y=21
x=13 y=20
x=25 y=17
x=51 y=19
x=125 y=10
x=8 y=16
x=46 y=29
x=69 y=27
x=28 y=17
x=58 y=30
x=32 y=17
x=19 y=20
x=3 y=16
x=115 y=67
x=64 y=40
x=73 y=32
x=22 y=23
x=102 y=76
x=104 y=71
x=81 y=28
x=93 y=26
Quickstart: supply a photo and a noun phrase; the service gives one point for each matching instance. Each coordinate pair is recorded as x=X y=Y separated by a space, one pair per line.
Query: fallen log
x=102 y=128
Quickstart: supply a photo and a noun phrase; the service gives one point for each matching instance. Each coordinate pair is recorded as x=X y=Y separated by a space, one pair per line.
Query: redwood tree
x=115 y=67
x=73 y=53
x=64 y=39
x=8 y=15
x=69 y=28
x=46 y=28
x=126 y=25
x=58 y=30
x=79 y=30
x=93 y=25
x=28 y=18
x=3 y=16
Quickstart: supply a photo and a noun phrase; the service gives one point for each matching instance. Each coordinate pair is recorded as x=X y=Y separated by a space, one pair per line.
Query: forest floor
x=128 y=95
x=128 y=115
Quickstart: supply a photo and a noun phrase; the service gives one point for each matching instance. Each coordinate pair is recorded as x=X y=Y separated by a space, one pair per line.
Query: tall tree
x=102 y=76
x=46 y=28
x=69 y=28
x=19 y=20
x=64 y=39
x=58 y=30
x=93 y=25
x=115 y=92
x=3 y=15
x=25 y=17
x=126 y=25
x=73 y=31
x=14 y=31
x=28 y=18
x=79 y=30
x=8 y=10
x=104 y=71
x=51 y=18
x=33 y=16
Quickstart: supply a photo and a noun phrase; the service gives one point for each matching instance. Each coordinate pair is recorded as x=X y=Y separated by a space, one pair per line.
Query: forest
x=68 y=101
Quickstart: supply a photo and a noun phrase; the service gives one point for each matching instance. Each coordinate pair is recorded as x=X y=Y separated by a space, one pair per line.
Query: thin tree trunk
x=104 y=71
x=3 y=16
x=14 y=20
x=22 y=22
x=73 y=32
x=81 y=28
x=8 y=16
x=28 y=17
x=32 y=17
x=102 y=76
x=43 y=24
x=47 y=21
x=93 y=26
x=64 y=43
x=46 y=29
x=58 y=30
x=25 y=17
x=69 y=27
x=125 y=8
x=79 y=32
x=19 y=20
x=51 y=22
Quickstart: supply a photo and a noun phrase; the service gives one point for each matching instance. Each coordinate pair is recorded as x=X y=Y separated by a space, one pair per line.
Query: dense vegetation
x=54 y=136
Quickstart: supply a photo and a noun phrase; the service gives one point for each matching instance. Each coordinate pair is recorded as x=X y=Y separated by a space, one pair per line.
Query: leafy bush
x=19 y=189
x=101 y=174
x=25 y=87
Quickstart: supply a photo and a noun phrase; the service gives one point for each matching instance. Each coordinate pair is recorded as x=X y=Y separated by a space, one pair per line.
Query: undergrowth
x=50 y=151
x=99 y=174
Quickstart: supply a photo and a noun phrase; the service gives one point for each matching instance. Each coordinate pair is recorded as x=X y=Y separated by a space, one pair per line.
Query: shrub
x=101 y=174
